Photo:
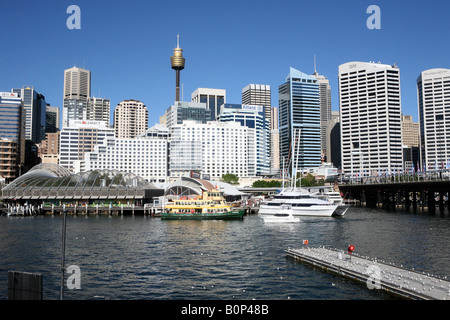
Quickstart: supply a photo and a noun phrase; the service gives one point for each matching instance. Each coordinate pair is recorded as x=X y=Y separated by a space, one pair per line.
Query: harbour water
x=145 y=258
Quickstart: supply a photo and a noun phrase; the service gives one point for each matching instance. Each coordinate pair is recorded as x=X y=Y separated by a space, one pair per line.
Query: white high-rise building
x=258 y=129
x=370 y=118
x=433 y=91
x=145 y=155
x=213 y=149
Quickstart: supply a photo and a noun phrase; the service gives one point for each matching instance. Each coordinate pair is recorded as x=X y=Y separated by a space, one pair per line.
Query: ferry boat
x=301 y=202
x=210 y=205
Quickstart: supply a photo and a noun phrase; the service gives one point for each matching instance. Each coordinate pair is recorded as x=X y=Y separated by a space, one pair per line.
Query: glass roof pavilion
x=51 y=181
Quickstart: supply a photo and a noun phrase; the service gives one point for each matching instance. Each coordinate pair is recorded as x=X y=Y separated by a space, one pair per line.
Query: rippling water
x=138 y=257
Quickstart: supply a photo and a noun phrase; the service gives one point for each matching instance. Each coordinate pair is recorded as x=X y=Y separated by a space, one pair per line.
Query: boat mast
x=294 y=167
x=294 y=178
x=296 y=161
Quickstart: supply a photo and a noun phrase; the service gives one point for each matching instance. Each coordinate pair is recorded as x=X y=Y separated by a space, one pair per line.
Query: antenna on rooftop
x=315 y=63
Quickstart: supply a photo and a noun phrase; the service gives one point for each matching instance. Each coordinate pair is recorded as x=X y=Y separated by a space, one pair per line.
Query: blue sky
x=227 y=44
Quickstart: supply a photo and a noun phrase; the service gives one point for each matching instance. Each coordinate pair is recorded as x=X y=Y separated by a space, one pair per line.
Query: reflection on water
x=149 y=258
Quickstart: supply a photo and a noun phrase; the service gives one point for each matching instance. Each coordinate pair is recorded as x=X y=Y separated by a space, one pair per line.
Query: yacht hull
x=316 y=210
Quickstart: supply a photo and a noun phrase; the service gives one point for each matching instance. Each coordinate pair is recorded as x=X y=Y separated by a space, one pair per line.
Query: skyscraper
x=274 y=142
x=325 y=109
x=74 y=109
x=433 y=91
x=77 y=90
x=370 y=118
x=299 y=112
x=35 y=108
x=213 y=98
x=12 y=135
x=260 y=95
x=77 y=83
x=130 y=119
x=410 y=132
x=334 y=140
x=52 y=119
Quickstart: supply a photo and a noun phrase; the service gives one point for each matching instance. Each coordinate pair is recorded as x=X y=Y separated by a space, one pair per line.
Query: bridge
x=428 y=190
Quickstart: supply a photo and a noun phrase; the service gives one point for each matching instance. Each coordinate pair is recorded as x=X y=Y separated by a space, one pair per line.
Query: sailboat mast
x=293 y=173
x=296 y=160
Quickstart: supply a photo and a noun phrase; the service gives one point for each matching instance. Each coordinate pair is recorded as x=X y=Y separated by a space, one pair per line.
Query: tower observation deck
x=177 y=62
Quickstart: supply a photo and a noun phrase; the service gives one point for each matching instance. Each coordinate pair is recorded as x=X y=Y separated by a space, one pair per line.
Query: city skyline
x=127 y=48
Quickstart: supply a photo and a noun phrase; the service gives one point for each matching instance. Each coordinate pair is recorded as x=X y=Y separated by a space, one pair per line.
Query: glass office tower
x=299 y=114
x=35 y=108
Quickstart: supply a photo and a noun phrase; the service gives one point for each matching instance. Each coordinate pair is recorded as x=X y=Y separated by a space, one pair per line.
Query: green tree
x=230 y=178
x=266 y=184
x=310 y=181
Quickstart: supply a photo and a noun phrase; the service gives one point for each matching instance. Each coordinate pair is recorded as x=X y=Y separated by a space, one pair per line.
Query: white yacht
x=280 y=218
x=302 y=203
x=335 y=197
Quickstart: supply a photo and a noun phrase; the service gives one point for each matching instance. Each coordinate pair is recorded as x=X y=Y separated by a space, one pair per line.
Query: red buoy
x=351 y=248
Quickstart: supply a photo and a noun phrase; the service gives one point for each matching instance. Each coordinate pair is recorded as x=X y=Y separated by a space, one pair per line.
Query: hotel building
x=213 y=149
x=252 y=117
x=145 y=155
x=370 y=118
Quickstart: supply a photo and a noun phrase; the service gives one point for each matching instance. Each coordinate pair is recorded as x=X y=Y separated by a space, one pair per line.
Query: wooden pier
x=377 y=275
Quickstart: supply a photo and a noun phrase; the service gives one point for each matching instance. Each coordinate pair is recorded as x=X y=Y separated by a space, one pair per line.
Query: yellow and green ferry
x=210 y=205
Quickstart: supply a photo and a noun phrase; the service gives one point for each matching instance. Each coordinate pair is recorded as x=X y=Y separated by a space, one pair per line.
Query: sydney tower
x=177 y=62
